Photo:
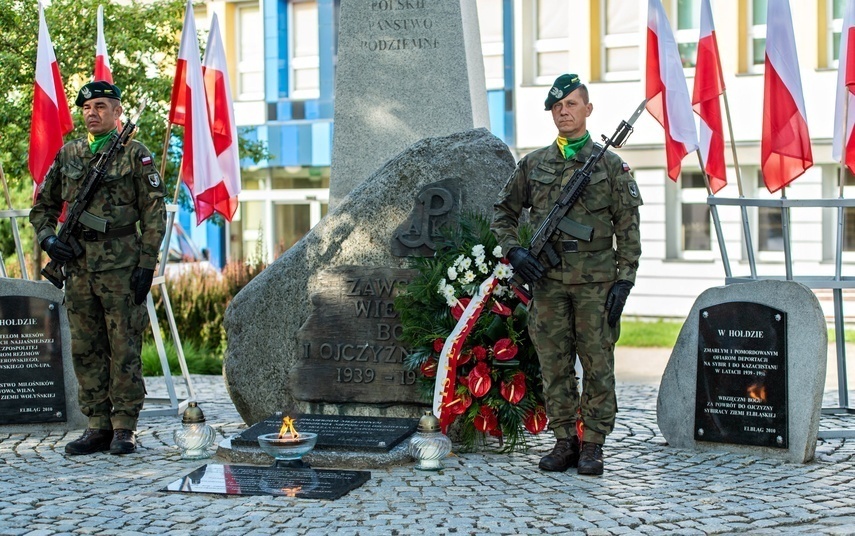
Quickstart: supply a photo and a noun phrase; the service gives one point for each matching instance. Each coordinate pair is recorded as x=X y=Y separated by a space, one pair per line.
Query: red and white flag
x=51 y=116
x=845 y=90
x=102 y=59
x=785 y=151
x=223 y=196
x=709 y=85
x=200 y=169
x=666 y=89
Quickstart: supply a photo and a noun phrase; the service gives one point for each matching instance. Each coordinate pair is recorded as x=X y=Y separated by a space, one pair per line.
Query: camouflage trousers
x=106 y=340
x=566 y=320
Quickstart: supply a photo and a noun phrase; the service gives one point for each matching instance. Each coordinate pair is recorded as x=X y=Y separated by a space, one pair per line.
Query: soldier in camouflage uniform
x=577 y=304
x=107 y=285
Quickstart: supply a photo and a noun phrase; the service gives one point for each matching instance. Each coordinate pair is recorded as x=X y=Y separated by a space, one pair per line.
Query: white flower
x=478 y=251
x=451 y=301
x=459 y=260
x=465 y=263
x=503 y=271
x=499 y=291
x=497 y=252
x=468 y=277
x=452 y=273
x=483 y=268
x=447 y=292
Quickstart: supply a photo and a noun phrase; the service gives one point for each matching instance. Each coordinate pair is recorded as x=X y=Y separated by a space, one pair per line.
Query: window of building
x=770 y=230
x=492 y=42
x=687 y=24
x=756 y=35
x=620 y=30
x=835 y=26
x=304 y=61
x=695 y=213
x=550 y=52
x=250 y=53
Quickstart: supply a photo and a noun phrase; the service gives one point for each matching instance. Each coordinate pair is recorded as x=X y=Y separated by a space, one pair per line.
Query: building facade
x=282 y=55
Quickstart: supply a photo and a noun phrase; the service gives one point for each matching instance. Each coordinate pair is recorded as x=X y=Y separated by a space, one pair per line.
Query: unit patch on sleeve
x=154 y=179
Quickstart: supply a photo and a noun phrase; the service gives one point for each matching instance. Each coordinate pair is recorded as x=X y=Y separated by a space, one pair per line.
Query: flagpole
x=785 y=232
x=746 y=229
x=14 y=223
x=716 y=221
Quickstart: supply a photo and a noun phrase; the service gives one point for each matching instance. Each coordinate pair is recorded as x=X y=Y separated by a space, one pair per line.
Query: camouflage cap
x=94 y=90
x=563 y=86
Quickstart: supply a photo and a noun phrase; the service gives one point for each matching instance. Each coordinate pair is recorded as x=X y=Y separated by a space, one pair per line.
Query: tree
x=142 y=40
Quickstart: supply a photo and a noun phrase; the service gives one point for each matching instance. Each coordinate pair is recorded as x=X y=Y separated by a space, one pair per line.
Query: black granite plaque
x=742 y=375
x=32 y=383
x=361 y=360
x=253 y=480
x=337 y=431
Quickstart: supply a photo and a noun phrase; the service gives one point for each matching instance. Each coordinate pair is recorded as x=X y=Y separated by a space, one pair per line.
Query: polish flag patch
x=146 y=160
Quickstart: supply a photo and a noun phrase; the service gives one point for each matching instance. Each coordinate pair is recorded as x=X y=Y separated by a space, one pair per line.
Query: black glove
x=57 y=249
x=526 y=264
x=616 y=300
x=141 y=283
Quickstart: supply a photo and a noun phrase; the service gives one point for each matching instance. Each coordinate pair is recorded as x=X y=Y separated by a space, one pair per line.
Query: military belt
x=575 y=246
x=90 y=235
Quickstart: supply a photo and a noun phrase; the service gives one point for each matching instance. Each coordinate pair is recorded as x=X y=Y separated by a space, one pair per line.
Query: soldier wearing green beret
x=576 y=305
x=107 y=285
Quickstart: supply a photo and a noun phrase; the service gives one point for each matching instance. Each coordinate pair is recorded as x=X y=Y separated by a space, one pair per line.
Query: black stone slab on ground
x=337 y=431
x=253 y=480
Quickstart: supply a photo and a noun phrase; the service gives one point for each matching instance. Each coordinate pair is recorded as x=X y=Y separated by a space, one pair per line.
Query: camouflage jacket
x=132 y=191
x=608 y=204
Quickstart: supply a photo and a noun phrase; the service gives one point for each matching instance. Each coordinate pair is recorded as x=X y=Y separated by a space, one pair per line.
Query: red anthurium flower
x=457 y=310
x=479 y=380
x=535 y=420
x=504 y=349
x=480 y=353
x=464 y=357
x=438 y=344
x=514 y=390
x=501 y=309
x=486 y=419
x=459 y=404
x=429 y=367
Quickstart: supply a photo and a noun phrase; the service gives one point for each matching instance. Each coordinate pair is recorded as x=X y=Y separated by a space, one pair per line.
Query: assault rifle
x=76 y=215
x=541 y=247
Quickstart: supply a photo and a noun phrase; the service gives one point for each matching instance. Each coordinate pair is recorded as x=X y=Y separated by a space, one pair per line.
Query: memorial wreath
x=493 y=380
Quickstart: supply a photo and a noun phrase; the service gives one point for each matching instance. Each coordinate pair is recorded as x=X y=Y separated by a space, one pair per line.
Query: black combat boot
x=93 y=440
x=123 y=442
x=590 y=459
x=565 y=454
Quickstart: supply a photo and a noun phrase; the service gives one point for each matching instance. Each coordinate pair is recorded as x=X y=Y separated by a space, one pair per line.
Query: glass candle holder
x=195 y=437
x=428 y=446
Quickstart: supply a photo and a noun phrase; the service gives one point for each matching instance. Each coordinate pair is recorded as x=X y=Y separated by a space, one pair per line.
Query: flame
x=288 y=429
x=757 y=392
x=291 y=492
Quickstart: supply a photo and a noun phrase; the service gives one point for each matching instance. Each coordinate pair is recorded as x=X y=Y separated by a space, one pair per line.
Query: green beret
x=563 y=86
x=94 y=90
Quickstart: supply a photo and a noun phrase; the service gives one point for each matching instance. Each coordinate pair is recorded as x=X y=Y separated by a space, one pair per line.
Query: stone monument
x=38 y=389
x=407 y=70
x=747 y=373
x=316 y=332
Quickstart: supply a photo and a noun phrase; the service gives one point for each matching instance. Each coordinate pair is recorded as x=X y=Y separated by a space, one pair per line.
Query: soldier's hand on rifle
x=57 y=249
x=616 y=300
x=526 y=264
x=141 y=279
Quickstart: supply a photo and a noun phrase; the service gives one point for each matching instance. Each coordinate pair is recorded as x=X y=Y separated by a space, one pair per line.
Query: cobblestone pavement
x=648 y=488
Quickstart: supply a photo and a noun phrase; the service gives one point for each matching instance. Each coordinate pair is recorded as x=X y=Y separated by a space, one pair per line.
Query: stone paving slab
x=647 y=488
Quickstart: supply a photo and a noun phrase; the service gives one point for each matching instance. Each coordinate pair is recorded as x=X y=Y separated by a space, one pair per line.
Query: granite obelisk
x=407 y=70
